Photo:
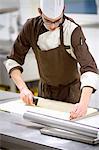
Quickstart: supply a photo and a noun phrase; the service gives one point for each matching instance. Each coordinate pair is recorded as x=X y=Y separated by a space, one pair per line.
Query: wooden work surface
x=44 y=106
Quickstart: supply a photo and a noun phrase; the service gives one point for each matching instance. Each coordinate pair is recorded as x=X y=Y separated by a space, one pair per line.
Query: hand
x=27 y=96
x=79 y=110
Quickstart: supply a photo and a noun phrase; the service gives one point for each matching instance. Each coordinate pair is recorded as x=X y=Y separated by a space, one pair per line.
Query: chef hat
x=52 y=8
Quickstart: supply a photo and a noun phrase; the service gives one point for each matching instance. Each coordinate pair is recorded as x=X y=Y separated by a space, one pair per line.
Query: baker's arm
x=80 y=109
x=25 y=94
x=89 y=73
x=16 y=59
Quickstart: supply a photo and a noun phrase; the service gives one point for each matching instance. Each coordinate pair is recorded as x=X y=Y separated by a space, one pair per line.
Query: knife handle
x=35 y=100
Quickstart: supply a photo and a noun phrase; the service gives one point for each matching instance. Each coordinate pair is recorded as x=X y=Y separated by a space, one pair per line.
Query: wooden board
x=45 y=106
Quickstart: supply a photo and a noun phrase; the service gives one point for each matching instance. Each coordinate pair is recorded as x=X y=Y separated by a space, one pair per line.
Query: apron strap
x=61 y=32
x=61 y=28
x=61 y=35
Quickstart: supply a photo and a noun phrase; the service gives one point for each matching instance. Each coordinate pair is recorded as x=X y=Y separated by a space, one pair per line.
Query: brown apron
x=59 y=77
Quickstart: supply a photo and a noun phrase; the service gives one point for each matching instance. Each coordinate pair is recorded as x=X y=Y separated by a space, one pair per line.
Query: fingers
x=73 y=113
x=27 y=99
x=78 y=111
x=27 y=96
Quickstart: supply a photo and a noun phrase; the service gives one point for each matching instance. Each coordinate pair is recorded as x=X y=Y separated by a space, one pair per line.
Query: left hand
x=79 y=110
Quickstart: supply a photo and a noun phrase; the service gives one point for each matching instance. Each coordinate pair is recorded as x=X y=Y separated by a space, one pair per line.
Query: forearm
x=17 y=78
x=85 y=95
x=25 y=94
x=80 y=109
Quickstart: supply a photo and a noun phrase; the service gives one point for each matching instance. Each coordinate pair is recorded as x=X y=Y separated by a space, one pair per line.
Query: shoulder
x=74 y=30
x=77 y=36
x=70 y=25
x=32 y=22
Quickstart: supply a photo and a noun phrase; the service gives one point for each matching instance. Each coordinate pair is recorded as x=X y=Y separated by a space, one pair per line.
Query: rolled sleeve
x=11 y=64
x=90 y=79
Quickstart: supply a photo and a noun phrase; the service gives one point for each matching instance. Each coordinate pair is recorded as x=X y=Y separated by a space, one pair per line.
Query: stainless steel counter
x=19 y=134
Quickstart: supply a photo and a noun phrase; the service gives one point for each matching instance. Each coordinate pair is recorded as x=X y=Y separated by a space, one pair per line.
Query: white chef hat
x=52 y=8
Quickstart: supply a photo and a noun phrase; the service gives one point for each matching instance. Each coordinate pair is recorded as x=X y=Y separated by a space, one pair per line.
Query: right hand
x=27 y=96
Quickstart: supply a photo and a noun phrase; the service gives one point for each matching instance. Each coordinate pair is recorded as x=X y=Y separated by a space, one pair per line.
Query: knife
x=35 y=100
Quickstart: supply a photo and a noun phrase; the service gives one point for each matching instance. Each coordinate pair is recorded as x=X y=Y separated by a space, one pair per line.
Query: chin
x=50 y=29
